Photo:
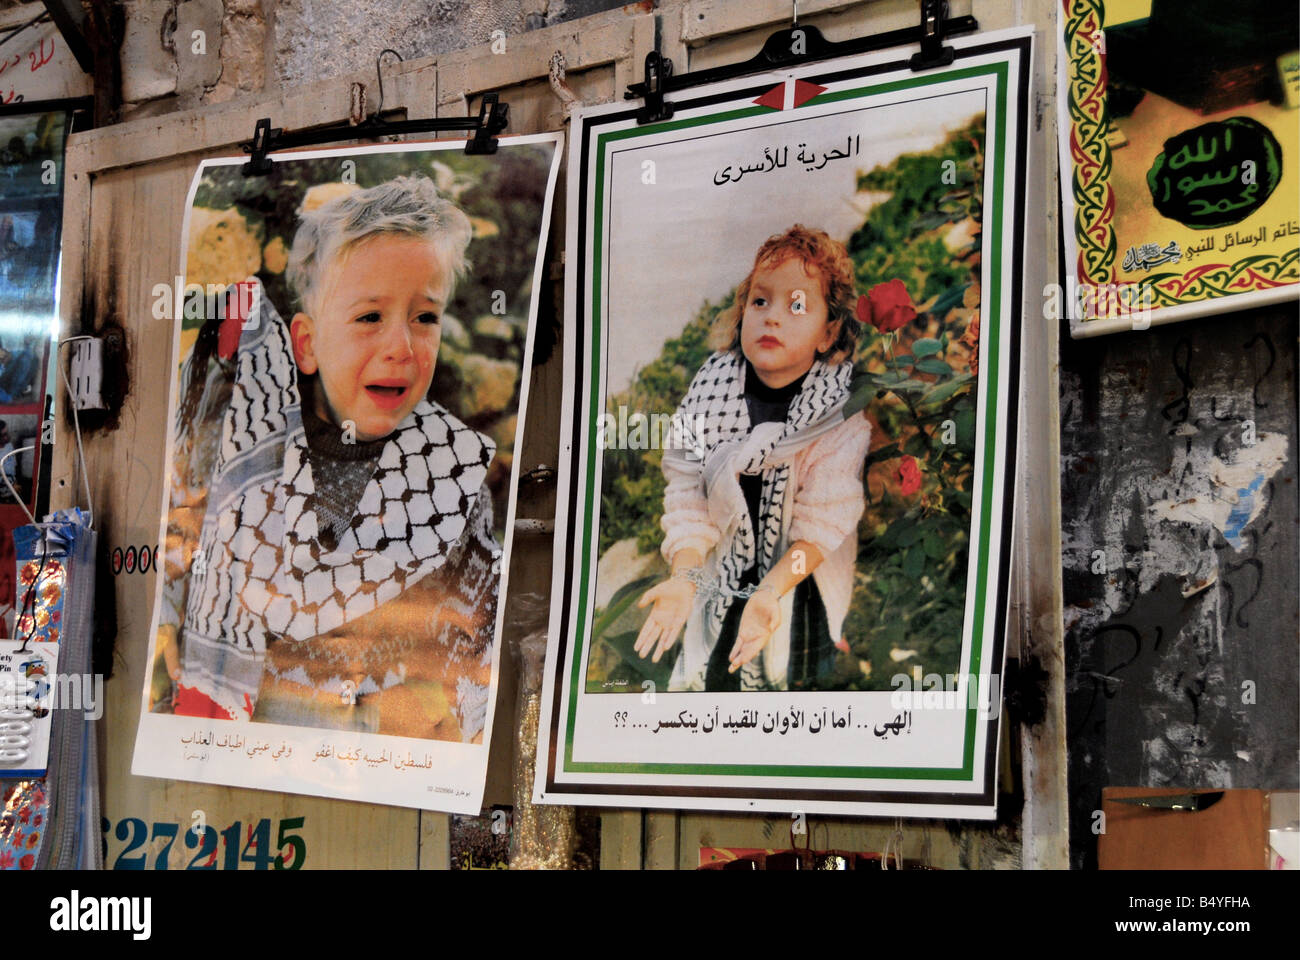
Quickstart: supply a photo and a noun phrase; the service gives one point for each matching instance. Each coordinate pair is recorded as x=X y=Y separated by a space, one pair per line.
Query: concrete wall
x=1179 y=508
x=182 y=54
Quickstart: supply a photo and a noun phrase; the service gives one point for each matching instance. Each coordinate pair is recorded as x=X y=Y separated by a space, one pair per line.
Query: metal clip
x=933 y=52
x=493 y=115
x=263 y=132
x=657 y=70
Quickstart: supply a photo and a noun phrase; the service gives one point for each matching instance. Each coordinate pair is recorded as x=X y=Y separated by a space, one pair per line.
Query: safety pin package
x=26 y=706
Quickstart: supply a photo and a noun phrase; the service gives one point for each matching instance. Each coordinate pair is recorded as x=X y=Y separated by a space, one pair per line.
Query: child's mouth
x=769 y=342
x=387 y=396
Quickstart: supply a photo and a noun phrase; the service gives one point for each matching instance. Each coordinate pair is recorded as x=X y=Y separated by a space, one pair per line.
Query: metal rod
x=671 y=83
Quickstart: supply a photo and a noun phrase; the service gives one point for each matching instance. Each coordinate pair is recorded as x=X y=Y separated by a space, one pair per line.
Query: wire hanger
x=379 y=73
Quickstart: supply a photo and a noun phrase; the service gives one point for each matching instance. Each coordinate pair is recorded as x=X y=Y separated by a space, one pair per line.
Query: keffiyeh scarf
x=260 y=572
x=719 y=438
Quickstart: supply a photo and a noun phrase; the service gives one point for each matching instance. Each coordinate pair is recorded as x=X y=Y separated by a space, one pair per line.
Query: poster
x=31 y=218
x=786 y=471
x=352 y=335
x=1179 y=143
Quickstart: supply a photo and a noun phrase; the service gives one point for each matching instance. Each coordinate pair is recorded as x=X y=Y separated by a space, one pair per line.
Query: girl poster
x=787 y=466
x=352 y=341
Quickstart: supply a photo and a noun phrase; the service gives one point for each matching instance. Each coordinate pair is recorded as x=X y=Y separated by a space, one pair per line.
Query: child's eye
x=759 y=301
x=369 y=318
x=429 y=318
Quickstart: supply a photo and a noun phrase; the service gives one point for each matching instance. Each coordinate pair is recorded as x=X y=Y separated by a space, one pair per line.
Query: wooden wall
x=126 y=188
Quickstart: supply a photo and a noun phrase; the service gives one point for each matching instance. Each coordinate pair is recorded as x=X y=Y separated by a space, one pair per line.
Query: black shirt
x=340 y=469
x=765 y=405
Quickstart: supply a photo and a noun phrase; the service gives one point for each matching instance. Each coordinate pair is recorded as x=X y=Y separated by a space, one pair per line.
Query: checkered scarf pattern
x=719 y=437
x=264 y=573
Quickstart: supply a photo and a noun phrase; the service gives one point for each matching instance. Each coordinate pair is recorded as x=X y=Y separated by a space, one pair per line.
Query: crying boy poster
x=351 y=345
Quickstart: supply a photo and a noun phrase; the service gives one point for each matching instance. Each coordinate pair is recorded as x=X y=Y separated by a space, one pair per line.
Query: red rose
x=908 y=476
x=27 y=862
x=887 y=307
x=863 y=309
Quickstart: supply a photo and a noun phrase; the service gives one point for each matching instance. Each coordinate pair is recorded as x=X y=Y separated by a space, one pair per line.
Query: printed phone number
x=289 y=852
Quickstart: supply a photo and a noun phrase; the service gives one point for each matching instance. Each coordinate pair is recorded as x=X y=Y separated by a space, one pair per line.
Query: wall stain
x=1178 y=460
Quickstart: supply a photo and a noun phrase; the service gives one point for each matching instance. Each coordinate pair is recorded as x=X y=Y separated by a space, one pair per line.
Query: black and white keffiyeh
x=261 y=572
x=721 y=443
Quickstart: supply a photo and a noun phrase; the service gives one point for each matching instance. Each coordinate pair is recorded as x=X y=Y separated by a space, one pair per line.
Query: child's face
x=784 y=325
x=375 y=333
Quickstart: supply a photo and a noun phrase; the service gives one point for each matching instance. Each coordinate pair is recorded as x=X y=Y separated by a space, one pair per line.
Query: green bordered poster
x=787 y=464
x=1178 y=139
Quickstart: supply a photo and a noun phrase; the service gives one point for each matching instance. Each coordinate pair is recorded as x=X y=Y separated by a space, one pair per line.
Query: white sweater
x=823 y=506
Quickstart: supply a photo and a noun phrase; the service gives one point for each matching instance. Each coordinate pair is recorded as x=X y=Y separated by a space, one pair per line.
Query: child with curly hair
x=763 y=499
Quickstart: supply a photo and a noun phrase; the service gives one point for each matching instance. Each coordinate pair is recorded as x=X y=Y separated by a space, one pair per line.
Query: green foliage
x=910 y=587
x=632 y=491
x=900 y=236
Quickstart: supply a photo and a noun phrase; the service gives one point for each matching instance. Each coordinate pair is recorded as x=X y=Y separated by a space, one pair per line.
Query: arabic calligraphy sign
x=1179 y=144
x=732 y=173
x=1202 y=180
x=835 y=646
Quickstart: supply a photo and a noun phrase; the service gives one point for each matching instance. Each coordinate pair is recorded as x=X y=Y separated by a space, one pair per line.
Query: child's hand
x=761 y=616
x=672 y=601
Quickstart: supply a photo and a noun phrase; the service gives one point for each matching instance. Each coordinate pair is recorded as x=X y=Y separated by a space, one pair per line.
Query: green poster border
x=990 y=326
